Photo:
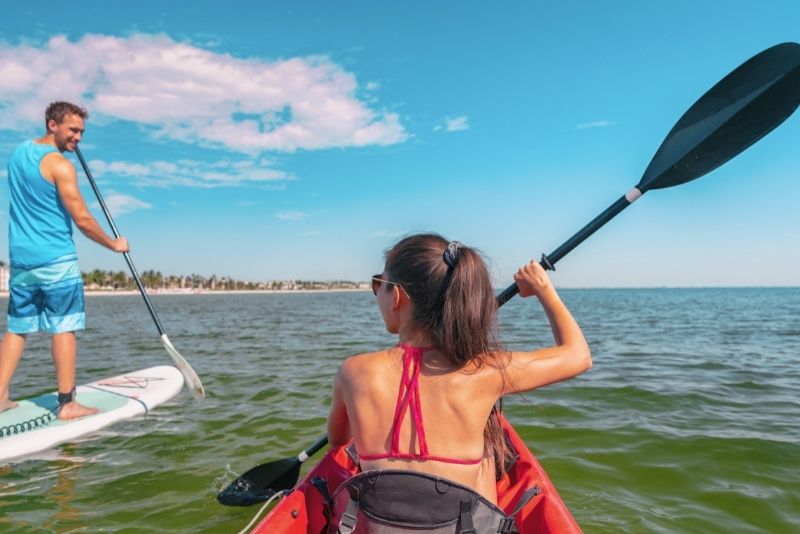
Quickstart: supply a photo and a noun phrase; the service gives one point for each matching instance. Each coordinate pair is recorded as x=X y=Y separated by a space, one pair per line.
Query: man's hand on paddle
x=120 y=244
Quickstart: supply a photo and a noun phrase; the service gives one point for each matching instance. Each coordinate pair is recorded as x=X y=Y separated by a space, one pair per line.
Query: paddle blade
x=261 y=482
x=192 y=381
x=742 y=108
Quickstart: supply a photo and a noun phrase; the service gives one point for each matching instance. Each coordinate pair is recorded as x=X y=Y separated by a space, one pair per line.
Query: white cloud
x=191 y=173
x=183 y=92
x=291 y=215
x=595 y=124
x=453 y=125
x=120 y=204
x=312 y=233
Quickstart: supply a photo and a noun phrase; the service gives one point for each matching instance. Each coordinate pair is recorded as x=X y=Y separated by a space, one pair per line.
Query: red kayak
x=301 y=511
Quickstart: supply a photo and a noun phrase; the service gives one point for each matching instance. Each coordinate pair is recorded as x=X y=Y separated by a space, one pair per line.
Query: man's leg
x=10 y=353
x=64 y=348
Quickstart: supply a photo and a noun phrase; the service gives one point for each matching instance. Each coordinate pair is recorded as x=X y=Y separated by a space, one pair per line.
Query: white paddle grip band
x=302 y=456
x=633 y=195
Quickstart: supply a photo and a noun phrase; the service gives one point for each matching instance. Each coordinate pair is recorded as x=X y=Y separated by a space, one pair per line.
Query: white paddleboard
x=116 y=398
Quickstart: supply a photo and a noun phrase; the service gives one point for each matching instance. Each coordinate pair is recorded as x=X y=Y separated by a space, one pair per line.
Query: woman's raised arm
x=569 y=357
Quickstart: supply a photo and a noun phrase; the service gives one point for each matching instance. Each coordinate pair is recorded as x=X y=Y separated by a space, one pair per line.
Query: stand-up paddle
x=742 y=108
x=192 y=381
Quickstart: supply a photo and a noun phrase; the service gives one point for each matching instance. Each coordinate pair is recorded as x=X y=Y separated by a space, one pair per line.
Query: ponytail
x=467 y=327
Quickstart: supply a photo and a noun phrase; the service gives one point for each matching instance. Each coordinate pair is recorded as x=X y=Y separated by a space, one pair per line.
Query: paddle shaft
x=126 y=255
x=313 y=449
x=549 y=260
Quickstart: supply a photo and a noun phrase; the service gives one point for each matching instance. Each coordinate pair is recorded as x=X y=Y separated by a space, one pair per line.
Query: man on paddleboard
x=45 y=288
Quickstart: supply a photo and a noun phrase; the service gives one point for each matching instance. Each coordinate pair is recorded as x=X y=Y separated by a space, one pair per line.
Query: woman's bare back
x=454 y=405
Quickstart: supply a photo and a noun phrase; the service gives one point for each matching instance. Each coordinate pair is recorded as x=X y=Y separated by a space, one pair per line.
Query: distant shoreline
x=177 y=292
x=171 y=292
x=168 y=292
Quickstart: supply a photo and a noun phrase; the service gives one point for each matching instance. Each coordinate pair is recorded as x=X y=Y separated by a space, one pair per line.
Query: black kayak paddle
x=265 y=480
x=742 y=108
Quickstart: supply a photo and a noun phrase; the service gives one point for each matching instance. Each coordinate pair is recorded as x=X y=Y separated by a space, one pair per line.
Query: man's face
x=67 y=133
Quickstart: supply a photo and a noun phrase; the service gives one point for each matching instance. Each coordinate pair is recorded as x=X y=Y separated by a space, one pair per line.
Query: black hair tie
x=451 y=253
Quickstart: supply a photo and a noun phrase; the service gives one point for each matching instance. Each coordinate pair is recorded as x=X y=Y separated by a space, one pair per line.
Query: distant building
x=4 y=276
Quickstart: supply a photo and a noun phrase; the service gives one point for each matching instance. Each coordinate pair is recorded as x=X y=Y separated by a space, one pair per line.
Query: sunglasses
x=377 y=281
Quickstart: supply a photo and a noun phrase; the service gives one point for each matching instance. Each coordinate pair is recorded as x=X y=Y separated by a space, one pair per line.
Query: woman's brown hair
x=451 y=291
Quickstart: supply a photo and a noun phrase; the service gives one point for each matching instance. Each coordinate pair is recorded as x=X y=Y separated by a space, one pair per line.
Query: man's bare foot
x=74 y=410
x=7 y=404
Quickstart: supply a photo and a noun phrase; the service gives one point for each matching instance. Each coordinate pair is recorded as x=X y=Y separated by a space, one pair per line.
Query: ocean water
x=688 y=422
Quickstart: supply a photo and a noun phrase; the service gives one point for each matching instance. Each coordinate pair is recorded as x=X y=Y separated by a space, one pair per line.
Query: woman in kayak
x=428 y=404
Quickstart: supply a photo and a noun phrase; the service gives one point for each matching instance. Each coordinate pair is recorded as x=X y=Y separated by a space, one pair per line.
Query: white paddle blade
x=192 y=380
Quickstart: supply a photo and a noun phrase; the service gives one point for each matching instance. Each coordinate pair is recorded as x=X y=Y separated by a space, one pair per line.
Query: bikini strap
x=408 y=397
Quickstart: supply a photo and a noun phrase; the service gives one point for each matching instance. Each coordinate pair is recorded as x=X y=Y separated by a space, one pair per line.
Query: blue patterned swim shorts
x=48 y=298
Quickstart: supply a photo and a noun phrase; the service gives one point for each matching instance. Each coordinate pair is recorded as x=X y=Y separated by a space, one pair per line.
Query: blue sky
x=300 y=139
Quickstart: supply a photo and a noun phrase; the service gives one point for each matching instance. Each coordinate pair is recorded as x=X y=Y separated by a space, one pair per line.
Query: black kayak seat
x=393 y=501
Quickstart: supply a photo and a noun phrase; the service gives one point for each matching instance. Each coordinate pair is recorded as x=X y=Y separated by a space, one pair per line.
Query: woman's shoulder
x=366 y=362
x=486 y=373
x=490 y=363
x=365 y=370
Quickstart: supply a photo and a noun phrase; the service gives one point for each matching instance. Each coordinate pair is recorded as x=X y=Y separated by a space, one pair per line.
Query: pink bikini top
x=408 y=399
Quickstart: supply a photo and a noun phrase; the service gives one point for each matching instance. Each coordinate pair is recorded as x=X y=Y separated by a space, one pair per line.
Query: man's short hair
x=58 y=110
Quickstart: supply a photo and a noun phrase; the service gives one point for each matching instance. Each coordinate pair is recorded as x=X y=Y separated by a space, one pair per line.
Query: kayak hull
x=301 y=511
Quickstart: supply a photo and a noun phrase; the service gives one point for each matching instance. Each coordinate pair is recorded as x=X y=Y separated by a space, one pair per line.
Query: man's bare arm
x=66 y=182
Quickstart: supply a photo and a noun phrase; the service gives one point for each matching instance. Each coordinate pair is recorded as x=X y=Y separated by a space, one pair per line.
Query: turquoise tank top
x=39 y=227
